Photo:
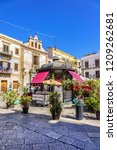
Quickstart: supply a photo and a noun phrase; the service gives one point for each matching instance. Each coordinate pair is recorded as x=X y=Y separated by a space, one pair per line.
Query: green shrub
x=55 y=103
x=93 y=101
x=10 y=97
x=25 y=100
x=92 y=104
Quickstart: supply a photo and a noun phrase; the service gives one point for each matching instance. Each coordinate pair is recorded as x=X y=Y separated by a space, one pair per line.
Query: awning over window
x=39 y=77
x=76 y=76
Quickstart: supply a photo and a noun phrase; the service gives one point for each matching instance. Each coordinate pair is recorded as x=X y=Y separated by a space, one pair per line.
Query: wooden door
x=3 y=85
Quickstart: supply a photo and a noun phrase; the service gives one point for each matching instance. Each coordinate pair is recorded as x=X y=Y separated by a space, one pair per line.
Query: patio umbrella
x=51 y=82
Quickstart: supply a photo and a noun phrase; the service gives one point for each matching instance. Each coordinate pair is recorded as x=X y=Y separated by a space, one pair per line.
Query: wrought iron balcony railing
x=5 y=70
x=9 y=53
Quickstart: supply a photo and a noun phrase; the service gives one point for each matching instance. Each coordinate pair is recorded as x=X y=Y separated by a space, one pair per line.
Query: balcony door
x=3 y=85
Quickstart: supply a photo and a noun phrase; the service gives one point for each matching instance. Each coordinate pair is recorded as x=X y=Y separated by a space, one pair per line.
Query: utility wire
x=11 y=24
x=26 y=29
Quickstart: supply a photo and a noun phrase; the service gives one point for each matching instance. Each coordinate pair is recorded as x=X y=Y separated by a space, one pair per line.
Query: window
x=5 y=48
x=97 y=73
x=16 y=51
x=35 y=44
x=87 y=74
x=86 y=64
x=35 y=60
x=1 y=65
x=32 y=44
x=97 y=63
x=75 y=63
x=15 y=84
x=16 y=67
x=39 y=46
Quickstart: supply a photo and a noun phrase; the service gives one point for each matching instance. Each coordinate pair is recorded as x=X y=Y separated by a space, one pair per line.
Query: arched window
x=35 y=44
x=39 y=46
x=32 y=44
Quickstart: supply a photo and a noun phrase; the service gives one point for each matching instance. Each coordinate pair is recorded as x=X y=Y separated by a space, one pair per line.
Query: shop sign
x=40 y=99
x=37 y=97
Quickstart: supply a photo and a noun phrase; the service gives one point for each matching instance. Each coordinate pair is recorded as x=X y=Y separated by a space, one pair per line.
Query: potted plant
x=25 y=101
x=10 y=97
x=55 y=105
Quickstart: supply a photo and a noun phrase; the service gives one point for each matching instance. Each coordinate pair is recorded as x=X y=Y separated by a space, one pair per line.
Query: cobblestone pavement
x=37 y=131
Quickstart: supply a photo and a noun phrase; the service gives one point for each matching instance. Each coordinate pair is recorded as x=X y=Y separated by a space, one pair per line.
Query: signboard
x=59 y=90
x=67 y=96
x=40 y=99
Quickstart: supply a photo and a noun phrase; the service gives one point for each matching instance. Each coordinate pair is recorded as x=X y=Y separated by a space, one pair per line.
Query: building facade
x=10 y=63
x=63 y=57
x=90 y=66
x=32 y=49
x=19 y=61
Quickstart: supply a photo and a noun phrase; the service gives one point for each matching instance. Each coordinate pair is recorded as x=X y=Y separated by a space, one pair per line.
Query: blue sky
x=74 y=23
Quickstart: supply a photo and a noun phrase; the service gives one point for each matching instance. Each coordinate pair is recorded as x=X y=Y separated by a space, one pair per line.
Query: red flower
x=86 y=88
x=75 y=88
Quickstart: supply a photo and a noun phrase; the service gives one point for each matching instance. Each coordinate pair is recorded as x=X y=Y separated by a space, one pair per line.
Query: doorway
x=4 y=85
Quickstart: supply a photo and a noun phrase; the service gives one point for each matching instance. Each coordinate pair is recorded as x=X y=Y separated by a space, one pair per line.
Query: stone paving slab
x=15 y=141
x=91 y=147
x=94 y=135
x=54 y=135
x=70 y=147
x=40 y=147
x=67 y=140
x=80 y=136
x=2 y=147
x=79 y=144
x=57 y=146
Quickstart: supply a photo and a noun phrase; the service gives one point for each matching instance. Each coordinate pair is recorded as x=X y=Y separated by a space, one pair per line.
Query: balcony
x=90 y=67
x=5 y=70
x=5 y=53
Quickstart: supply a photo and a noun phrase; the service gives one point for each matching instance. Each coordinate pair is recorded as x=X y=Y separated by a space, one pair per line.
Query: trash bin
x=79 y=108
x=79 y=112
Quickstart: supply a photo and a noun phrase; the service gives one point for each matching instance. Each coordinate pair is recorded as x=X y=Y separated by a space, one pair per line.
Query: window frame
x=15 y=66
x=35 y=44
x=86 y=66
x=17 y=51
x=98 y=74
x=36 y=60
x=14 y=85
x=32 y=44
x=86 y=73
x=97 y=63
x=4 y=48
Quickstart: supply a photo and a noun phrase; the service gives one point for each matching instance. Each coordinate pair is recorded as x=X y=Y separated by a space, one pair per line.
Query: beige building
x=18 y=61
x=10 y=63
x=34 y=57
x=63 y=57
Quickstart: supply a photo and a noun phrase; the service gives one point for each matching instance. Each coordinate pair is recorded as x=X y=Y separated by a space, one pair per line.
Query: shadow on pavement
x=45 y=121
